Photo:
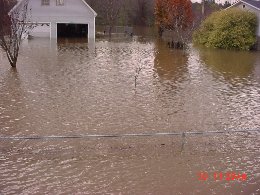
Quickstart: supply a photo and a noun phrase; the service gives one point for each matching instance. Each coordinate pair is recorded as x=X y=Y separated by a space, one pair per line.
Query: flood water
x=75 y=88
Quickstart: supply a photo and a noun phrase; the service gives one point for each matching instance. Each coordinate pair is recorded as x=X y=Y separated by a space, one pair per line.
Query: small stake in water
x=183 y=141
x=137 y=72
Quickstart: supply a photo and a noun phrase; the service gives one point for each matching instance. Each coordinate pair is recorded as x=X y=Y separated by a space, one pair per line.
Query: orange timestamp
x=219 y=176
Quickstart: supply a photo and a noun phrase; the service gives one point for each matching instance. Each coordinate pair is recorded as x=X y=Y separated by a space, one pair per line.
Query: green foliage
x=228 y=29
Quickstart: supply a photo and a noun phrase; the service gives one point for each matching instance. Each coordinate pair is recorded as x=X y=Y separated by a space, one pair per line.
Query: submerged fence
x=89 y=136
x=119 y=29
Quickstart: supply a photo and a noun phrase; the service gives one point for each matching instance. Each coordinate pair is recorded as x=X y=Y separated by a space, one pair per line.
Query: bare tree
x=14 y=26
x=123 y=12
x=137 y=73
x=181 y=36
x=141 y=9
x=111 y=11
x=108 y=11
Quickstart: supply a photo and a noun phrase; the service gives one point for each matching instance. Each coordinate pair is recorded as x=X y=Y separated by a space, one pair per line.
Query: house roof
x=253 y=3
x=20 y=1
x=89 y=7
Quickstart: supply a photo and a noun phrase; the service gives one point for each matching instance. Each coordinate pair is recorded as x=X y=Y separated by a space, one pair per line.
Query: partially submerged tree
x=161 y=15
x=14 y=26
x=175 y=16
x=172 y=14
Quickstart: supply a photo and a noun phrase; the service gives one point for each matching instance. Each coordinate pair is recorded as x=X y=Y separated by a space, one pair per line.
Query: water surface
x=73 y=88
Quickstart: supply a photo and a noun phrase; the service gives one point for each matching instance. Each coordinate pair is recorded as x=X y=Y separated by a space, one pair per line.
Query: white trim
x=50 y=29
x=57 y=29
x=89 y=7
x=94 y=29
x=88 y=31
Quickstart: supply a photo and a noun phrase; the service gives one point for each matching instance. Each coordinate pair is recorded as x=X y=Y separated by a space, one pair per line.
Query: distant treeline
x=133 y=12
x=123 y=12
x=136 y=12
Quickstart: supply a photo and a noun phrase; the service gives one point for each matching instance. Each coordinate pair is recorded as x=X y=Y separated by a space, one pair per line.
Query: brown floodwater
x=77 y=88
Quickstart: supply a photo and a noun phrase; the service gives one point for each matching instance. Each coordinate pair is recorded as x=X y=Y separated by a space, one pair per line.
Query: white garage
x=61 y=18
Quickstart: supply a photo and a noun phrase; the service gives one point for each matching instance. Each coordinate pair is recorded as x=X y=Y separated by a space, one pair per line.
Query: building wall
x=251 y=9
x=73 y=11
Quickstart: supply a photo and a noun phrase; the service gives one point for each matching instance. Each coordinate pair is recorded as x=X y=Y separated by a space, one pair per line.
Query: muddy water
x=73 y=88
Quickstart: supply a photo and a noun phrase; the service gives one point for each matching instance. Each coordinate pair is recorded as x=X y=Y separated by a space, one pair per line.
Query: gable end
x=20 y=1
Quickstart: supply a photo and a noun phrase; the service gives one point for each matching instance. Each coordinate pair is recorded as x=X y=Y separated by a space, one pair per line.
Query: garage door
x=72 y=30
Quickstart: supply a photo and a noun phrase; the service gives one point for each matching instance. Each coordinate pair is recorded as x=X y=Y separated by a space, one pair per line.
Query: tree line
x=166 y=14
x=138 y=12
x=123 y=12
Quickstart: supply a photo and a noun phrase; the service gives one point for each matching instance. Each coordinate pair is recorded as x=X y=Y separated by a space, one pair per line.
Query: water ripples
x=71 y=89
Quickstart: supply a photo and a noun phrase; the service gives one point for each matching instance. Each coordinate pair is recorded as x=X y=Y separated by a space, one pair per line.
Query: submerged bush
x=228 y=29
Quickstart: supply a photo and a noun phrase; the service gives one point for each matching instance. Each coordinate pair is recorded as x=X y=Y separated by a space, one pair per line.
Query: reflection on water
x=229 y=63
x=73 y=87
x=169 y=64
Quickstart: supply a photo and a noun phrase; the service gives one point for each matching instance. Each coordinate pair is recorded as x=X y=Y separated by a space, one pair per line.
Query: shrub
x=228 y=29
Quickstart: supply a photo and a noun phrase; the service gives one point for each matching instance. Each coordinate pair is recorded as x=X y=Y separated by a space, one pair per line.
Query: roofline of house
x=16 y=5
x=20 y=1
x=95 y=13
x=244 y=3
